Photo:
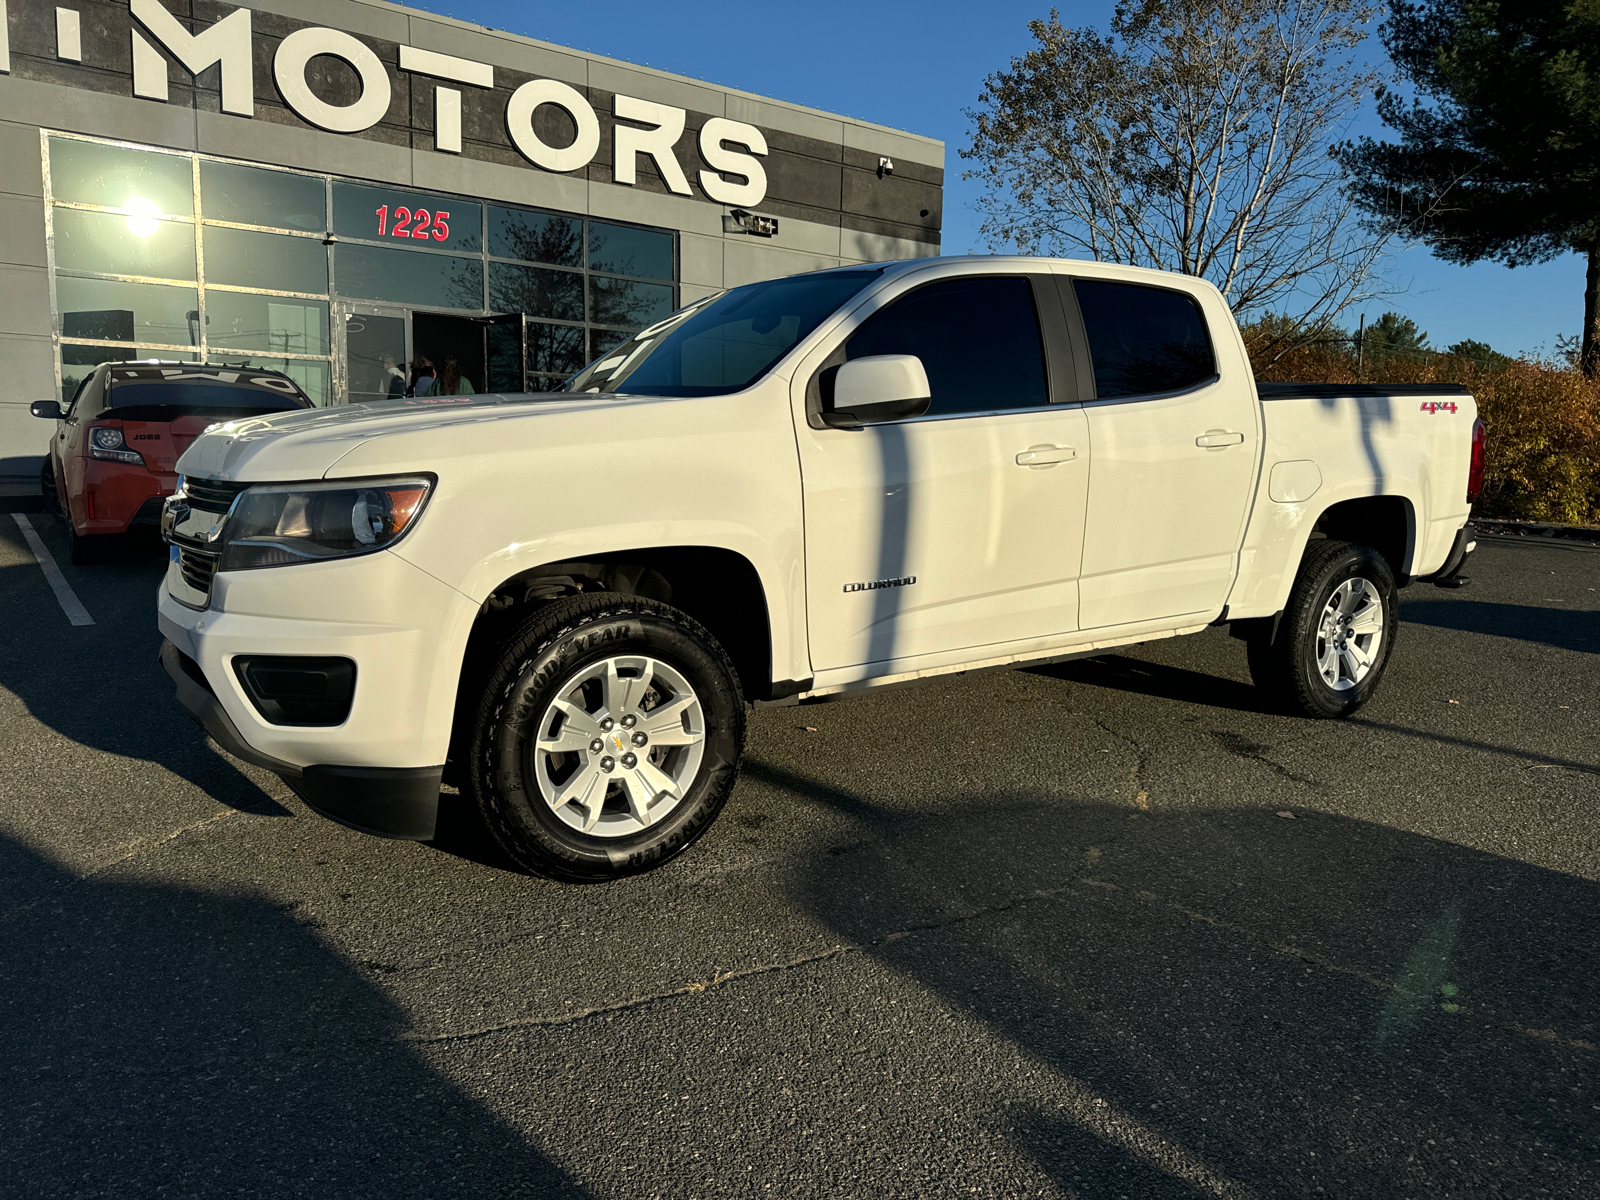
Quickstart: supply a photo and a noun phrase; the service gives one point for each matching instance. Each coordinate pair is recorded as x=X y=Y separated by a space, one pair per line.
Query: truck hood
x=306 y=444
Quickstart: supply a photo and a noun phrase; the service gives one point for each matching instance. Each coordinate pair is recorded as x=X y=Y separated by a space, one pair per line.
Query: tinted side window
x=978 y=339
x=1143 y=339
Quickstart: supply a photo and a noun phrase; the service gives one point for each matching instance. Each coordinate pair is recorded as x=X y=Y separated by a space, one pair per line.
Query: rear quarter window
x=1143 y=340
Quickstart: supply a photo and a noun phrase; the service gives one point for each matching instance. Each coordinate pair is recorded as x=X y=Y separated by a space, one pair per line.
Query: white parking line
x=70 y=604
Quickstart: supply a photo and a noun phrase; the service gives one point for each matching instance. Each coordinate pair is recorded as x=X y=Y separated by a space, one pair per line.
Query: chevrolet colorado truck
x=564 y=603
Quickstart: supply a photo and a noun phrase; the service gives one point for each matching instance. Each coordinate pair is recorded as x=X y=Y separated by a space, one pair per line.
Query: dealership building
x=333 y=187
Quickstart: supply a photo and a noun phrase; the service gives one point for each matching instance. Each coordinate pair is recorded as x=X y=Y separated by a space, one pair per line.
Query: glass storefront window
x=603 y=341
x=253 y=196
x=243 y=321
x=410 y=219
x=535 y=237
x=114 y=244
x=645 y=253
x=375 y=357
x=536 y=291
x=272 y=261
x=144 y=182
x=110 y=310
x=625 y=302
x=418 y=280
x=314 y=378
x=555 y=349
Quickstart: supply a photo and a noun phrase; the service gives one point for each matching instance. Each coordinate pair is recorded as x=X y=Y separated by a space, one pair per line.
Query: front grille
x=212 y=495
x=197 y=569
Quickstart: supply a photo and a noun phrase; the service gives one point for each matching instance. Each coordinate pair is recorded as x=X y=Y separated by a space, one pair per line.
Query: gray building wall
x=825 y=186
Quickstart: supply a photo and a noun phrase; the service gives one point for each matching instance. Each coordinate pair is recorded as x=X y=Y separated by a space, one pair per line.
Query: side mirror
x=50 y=410
x=884 y=387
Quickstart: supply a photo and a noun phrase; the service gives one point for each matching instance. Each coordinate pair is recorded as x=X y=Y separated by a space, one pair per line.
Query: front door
x=962 y=528
x=377 y=350
x=1175 y=450
x=505 y=353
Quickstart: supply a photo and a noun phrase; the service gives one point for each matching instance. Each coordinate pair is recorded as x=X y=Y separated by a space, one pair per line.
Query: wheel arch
x=1387 y=523
x=718 y=587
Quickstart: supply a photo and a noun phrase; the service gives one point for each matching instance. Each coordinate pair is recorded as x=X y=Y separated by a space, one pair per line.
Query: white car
x=564 y=603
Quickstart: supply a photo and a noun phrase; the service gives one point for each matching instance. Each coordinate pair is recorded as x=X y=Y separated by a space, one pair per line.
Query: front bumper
x=393 y=802
x=379 y=771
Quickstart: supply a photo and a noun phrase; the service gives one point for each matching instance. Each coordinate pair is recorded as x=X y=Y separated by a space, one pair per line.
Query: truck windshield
x=724 y=344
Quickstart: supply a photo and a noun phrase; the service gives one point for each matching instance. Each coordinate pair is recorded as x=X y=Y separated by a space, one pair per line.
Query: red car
x=115 y=452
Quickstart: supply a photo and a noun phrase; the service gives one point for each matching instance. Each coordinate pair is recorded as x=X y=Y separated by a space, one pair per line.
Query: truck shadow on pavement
x=160 y=1040
x=1125 y=674
x=1563 y=628
x=1215 y=1002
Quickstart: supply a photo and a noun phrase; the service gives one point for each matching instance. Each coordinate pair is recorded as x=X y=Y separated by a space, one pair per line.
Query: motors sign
x=729 y=170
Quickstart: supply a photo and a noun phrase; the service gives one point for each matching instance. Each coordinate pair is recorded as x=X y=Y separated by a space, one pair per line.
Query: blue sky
x=917 y=66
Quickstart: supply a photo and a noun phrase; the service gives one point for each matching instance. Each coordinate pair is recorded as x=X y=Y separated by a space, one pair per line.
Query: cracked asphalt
x=1036 y=933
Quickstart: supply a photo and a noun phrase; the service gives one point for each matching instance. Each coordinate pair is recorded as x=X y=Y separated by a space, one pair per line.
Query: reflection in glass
x=623 y=302
x=555 y=349
x=109 y=310
x=314 y=378
x=78 y=361
x=375 y=357
x=244 y=321
x=536 y=291
x=646 y=253
x=603 y=341
x=502 y=345
x=274 y=261
x=89 y=173
x=409 y=219
x=424 y=280
x=535 y=237
x=253 y=196
x=123 y=245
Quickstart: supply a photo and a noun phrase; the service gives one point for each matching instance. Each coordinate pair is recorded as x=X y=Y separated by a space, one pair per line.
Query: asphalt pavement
x=1107 y=929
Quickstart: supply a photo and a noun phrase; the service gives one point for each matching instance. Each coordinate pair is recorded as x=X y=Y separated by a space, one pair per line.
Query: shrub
x=1543 y=454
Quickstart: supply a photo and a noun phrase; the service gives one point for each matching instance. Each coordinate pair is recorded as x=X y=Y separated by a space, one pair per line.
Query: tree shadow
x=1239 y=1005
x=160 y=1040
x=1563 y=628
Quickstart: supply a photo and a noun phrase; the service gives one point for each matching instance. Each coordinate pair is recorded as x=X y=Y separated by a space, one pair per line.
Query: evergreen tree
x=1499 y=158
x=1393 y=336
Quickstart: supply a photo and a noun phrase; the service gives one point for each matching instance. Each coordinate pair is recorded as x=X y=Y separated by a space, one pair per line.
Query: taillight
x=1475 y=469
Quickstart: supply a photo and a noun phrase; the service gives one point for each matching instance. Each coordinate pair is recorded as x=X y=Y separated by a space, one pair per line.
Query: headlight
x=105 y=441
x=296 y=523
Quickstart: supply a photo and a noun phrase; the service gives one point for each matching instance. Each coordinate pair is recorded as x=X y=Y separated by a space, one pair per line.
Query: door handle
x=1046 y=456
x=1215 y=439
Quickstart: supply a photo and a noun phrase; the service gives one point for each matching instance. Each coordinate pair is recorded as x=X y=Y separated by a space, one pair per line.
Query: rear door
x=1175 y=446
x=961 y=528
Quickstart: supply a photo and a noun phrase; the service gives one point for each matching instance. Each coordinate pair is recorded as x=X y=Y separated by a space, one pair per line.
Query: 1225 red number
x=419 y=224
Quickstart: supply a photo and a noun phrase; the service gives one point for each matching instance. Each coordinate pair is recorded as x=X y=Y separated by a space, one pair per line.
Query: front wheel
x=1336 y=633
x=607 y=739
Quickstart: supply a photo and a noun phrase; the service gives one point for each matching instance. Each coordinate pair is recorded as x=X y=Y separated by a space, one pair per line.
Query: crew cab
x=113 y=456
x=563 y=603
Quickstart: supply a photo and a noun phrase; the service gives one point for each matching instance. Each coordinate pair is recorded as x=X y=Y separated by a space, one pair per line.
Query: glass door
x=377 y=351
x=505 y=353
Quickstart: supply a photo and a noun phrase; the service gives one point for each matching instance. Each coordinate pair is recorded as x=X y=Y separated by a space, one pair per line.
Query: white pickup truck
x=564 y=603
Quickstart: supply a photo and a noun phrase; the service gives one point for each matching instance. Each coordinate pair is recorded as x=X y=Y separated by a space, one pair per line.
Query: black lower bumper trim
x=1449 y=575
x=201 y=703
x=391 y=802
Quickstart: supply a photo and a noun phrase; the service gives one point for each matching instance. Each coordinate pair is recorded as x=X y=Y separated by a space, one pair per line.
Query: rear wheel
x=1336 y=633
x=607 y=739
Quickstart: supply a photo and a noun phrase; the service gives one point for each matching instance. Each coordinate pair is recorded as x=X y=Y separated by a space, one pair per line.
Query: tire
x=1336 y=633
x=587 y=801
x=47 y=488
